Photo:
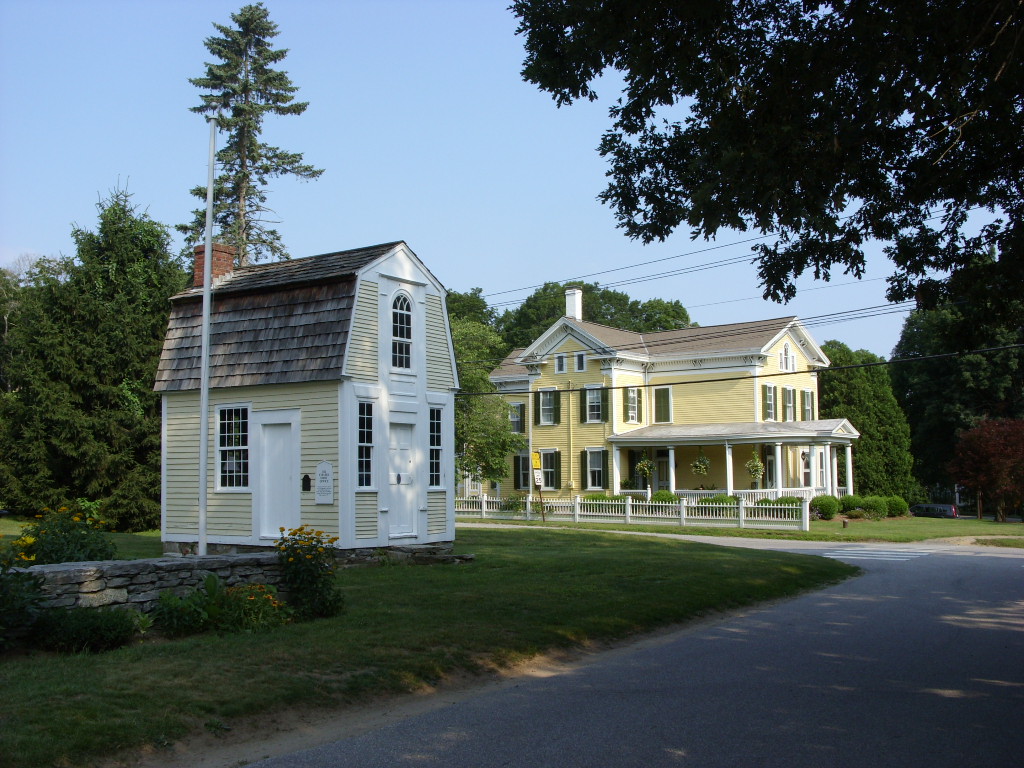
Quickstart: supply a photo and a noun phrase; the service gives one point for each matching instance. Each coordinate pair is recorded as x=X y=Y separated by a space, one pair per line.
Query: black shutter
x=604 y=405
x=557 y=417
x=584 y=473
x=604 y=470
x=583 y=405
x=536 y=408
x=558 y=470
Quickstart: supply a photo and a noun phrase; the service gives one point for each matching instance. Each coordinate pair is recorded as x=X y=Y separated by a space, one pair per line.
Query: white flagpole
x=204 y=386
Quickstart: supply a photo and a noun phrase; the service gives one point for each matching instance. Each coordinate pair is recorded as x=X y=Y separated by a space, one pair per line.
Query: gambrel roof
x=276 y=323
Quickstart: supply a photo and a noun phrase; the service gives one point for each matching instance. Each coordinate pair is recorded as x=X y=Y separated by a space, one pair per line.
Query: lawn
x=406 y=627
x=893 y=529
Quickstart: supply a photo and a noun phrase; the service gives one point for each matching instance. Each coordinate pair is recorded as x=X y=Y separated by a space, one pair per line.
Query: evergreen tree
x=81 y=419
x=882 y=460
x=239 y=91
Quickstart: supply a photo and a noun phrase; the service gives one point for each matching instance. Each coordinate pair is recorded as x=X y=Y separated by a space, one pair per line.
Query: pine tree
x=239 y=91
x=81 y=419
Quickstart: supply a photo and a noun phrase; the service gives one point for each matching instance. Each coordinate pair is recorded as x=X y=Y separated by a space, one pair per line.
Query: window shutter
x=604 y=405
x=625 y=403
x=604 y=469
x=583 y=405
x=517 y=473
x=558 y=469
x=764 y=403
x=521 y=408
x=803 y=405
x=536 y=408
x=640 y=405
x=810 y=404
x=556 y=397
x=584 y=471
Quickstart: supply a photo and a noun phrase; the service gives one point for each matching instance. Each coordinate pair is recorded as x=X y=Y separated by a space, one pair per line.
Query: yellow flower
x=290 y=559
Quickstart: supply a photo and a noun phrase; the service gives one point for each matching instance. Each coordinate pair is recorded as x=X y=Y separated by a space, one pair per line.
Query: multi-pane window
x=663 y=405
x=768 y=403
x=559 y=363
x=581 y=361
x=594 y=410
x=401 y=332
x=548 y=400
x=789 y=395
x=435 y=448
x=364 y=446
x=517 y=417
x=596 y=463
x=233 y=447
x=787 y=362
x=521 y=472
x=550 y=464
x=632 y=405
x=807 y=405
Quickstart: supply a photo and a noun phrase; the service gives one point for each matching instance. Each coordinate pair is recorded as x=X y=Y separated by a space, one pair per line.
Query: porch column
x=780 y=472
x=835 y=472
x=849 y=469
x=827 y=461
x=812 y=455
x=672 y=468
x=728 y=469
x=616 y=473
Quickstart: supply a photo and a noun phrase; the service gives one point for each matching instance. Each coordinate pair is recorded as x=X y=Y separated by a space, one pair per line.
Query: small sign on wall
x=538 y=477
x=324 y=483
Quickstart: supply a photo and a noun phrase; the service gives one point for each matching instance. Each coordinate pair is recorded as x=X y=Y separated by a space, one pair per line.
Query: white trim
x=249 y=418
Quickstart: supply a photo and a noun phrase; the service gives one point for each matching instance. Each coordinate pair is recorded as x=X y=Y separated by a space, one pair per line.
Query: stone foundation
x=137 y=584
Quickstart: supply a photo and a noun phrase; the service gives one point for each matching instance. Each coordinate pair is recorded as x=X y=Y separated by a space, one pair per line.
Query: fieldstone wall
x=137 y=584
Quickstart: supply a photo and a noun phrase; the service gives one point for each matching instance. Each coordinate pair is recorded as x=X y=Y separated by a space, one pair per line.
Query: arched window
x=401 y=332
x=787 y=362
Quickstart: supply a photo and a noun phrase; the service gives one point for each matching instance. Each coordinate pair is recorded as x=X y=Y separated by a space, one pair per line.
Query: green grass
x=894 y=529
x=1014 y=542
x=406 y=627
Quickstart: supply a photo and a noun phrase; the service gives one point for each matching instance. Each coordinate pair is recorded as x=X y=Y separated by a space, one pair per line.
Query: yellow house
x=700 y=408
x=331 y=403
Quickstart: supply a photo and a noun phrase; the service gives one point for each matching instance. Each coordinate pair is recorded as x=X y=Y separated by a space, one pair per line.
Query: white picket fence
x=743 y=514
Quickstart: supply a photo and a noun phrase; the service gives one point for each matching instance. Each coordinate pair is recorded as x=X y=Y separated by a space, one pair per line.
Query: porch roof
x=797 y=432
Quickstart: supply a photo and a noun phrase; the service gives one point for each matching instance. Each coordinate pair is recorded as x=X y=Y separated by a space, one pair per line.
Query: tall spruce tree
x=882 y=460
x=239 y=91
x=81 y=419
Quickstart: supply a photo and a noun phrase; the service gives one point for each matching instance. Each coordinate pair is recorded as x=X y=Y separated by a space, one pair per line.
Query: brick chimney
x=223 y=258
x=574 y=304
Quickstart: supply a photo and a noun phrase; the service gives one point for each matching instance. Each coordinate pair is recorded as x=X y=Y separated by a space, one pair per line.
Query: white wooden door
x=276 y=499
x=402 y=481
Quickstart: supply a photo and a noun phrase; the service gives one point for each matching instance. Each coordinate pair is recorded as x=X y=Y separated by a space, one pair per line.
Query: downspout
x=570 y=414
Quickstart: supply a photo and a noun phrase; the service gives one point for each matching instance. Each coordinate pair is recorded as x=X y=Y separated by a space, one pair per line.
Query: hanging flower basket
x=644 y=467
x=701 y=464
x=755 y=467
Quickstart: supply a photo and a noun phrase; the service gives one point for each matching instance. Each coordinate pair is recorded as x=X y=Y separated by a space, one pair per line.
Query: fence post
x=529 y=505
x=629 y=509
x=682 y=510
x=483 y=505
x=805 y=514
x=576 y=508
x=742 y=511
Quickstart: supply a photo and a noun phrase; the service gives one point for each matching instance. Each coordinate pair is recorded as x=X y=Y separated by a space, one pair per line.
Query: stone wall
x=138 y=583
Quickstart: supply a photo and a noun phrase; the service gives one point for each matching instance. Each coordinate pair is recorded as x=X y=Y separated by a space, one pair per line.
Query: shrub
x=782 y=501
x=74 y=630
x=897 y=506
x=720 y=498
x=875 y=507
x=20 y=596
x=64 y=536
x=825 y=506
x=242 y=608
x=515 y=502
x=308 y=573
x=850 y=504
x=664 y=497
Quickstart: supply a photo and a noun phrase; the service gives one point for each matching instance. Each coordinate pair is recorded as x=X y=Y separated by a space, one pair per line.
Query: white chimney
x=574 y=303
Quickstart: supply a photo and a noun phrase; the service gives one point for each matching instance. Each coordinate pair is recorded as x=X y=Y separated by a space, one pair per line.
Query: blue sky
x=422 y=122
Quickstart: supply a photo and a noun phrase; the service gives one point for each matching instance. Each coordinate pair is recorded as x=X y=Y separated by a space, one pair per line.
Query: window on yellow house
x=663 y=405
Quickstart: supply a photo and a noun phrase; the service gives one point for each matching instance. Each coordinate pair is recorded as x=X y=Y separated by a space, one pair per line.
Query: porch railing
x=743 y=514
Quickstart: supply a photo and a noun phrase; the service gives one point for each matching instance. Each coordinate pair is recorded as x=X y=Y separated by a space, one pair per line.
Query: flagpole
x=204 y=384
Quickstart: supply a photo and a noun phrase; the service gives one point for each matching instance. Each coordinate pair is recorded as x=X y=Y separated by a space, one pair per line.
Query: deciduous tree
x=989 y=459
x=240 y=90
x=826 y=124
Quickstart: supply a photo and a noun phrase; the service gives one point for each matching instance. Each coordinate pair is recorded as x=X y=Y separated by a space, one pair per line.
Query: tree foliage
x=883 y=463
x=989 y=458
x=240 y=90
x=81 y=419
x=943 y=396
x=483 y=436
x=824 y=124
x=524 y=324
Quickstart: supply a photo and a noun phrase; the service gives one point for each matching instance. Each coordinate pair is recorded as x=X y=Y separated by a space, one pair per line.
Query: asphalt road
x=919 y=662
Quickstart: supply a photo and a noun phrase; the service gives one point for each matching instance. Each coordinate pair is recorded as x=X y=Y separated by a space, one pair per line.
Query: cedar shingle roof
x=277 y=323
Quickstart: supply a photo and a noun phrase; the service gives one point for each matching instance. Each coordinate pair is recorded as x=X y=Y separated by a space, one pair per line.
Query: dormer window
x=401 y=332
